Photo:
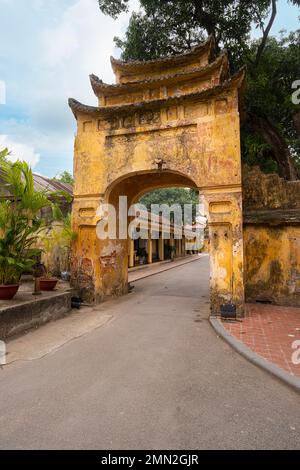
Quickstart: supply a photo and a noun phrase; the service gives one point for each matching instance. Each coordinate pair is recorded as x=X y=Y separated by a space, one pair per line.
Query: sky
x=48 y=49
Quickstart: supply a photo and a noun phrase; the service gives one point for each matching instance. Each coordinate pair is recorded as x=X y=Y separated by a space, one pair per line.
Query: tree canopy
x=170 y=196
x=65 y=177
x=270 y=134
x=171 y=26
x=268 y=103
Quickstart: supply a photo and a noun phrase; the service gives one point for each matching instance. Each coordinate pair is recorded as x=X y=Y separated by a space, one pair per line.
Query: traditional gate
x=167 y=122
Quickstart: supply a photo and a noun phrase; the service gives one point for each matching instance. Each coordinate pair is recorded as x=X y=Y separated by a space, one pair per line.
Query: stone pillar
x=150 y=251
x=172 y=244
x=223 y=209
x=178 y=247
x=161 y=247
x=99 y=268
x=183 y=241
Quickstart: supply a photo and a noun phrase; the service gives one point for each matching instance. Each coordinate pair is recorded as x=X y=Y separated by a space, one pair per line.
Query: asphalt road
x=155 y=377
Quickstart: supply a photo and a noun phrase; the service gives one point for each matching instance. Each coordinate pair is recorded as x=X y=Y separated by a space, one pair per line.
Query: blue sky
x=48 y=48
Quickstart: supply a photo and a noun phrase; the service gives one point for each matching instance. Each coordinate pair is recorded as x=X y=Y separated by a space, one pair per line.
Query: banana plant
x=20 y=218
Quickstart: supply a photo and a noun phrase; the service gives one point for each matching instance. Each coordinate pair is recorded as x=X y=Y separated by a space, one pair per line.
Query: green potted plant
x=20 y=222
x=172 y=252
x=48 y=282
x=65 y=236
x=142 y=255
x=13 y=258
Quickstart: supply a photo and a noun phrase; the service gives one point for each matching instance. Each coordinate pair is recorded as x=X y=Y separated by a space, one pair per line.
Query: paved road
x=156 y=377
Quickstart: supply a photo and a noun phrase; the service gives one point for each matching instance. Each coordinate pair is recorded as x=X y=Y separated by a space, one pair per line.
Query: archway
x=173 y=121
x=131 y=187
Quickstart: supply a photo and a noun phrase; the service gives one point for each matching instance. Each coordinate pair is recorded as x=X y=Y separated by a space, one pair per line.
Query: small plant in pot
x=142 y=254
x=56 y=252
x=20 y=222
x=11 y=268
x=63 y=236
x=48 y=282
x=172 y=252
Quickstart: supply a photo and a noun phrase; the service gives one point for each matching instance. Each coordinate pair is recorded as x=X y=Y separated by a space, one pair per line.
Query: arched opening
x=162 y=238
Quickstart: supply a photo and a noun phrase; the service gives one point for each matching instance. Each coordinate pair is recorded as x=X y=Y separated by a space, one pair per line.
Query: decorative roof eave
x=144 y=66
x=100 y=88
x=236 y=81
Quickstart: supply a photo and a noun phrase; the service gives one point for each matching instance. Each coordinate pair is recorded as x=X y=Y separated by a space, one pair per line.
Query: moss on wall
x=271 y=238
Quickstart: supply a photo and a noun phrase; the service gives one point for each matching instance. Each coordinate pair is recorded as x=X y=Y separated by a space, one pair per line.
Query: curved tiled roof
x=77 y=107
x=136 y=65
x=99 y=87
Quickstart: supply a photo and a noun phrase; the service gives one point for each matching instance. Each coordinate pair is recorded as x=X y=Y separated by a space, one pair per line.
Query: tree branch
x=279 y=149
x=296 y=121
x=266 y=33
x=204 y=18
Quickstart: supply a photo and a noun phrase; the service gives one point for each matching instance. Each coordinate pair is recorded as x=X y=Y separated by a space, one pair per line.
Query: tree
x=270 y=135
x=171 y=196
x=165 y=27
x=20 y=221
x=180 y=25
x=3 y=156
x=65 y=177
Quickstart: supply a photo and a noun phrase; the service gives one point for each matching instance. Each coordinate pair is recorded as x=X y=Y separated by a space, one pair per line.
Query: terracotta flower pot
x=8 y=292
x=48 y=284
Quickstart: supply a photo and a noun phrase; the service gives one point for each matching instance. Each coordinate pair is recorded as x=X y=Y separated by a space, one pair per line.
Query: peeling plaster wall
x=116 y=154
x=272 y=264
x=271 y=238
x=205 y=151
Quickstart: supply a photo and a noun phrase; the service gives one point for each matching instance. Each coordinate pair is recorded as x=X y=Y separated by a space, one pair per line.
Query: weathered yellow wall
x=118 y=152
x=271 y=238
x=272 y=264
x=203 y=150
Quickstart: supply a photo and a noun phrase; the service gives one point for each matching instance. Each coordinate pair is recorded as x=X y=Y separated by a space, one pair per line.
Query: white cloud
x=48 y=56
x=47 y=51
x=2 y=92
x=79 y=44
x=19 y=151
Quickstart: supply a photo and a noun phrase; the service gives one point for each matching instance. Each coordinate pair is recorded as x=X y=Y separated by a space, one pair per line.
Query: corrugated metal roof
x=42 y=183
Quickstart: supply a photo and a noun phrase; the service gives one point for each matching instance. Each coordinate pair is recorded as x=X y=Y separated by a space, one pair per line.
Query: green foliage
x=256 y=152
x=20 y=222
x=3 y=156
x=157 y=35
x=164 y=27
x=65 y=177
x=171 y=26
x=171 y=196
x=57 y=240
x=269 y=89
x=113 y=7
